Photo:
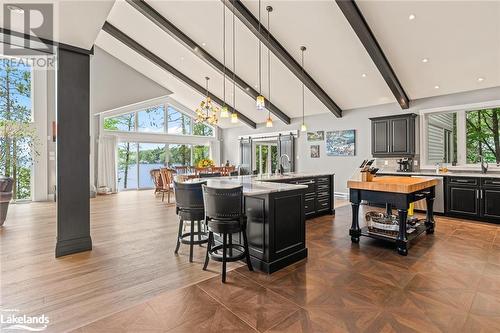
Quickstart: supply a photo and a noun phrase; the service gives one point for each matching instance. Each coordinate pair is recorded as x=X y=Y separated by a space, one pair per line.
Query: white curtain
x=107 y=159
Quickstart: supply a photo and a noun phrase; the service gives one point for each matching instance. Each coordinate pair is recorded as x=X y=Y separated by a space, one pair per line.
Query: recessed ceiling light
x=204 y=44
x=15 y=9
x=436 y=87
x=411 y=17
x=425 y=60
x=363 y=75
x=480 y=79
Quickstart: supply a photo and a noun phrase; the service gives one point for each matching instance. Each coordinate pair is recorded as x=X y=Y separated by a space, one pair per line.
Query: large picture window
x=463 y=137
x=157 y=119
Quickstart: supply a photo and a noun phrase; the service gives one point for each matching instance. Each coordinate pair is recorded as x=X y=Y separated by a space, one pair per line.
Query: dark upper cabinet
x=393 y=136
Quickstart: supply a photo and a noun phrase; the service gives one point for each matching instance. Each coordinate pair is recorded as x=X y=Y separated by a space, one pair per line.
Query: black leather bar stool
x=224 y=215
x=189 y=207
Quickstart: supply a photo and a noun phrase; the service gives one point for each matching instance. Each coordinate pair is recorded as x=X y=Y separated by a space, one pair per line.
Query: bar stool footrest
x=234 y=257
x=186 y=238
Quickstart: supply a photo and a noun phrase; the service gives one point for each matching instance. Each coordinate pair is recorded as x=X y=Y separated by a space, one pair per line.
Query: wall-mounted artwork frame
x=316 y=136
x=341 y=143
x=314 y=151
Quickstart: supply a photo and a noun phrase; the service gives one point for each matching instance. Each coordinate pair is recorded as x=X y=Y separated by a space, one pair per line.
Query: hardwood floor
x=449 y=282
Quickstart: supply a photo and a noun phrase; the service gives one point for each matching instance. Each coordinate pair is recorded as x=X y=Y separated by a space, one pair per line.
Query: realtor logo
x=11 y=320
x=28 y=25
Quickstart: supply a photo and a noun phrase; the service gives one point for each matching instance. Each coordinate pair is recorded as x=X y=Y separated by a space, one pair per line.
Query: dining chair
x=167 y=177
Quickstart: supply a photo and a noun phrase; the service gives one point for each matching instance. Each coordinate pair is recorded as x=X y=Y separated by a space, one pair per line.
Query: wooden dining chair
x=157 y=182
x=167 y=177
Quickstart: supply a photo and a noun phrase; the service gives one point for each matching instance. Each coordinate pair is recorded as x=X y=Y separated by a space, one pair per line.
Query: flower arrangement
x=206 y=163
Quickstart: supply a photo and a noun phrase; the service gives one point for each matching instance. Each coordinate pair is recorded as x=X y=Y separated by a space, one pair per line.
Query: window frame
x=461 y=111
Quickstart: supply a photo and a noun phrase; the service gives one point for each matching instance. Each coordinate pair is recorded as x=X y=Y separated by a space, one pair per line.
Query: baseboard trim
x=70 y=246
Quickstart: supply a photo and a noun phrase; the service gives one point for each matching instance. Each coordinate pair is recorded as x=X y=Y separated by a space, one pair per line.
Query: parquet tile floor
x=449 y=282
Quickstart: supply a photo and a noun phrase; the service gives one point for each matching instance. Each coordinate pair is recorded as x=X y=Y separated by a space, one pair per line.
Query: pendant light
x=225 y=110
x=303 y=127
x=269 y=121
x=234 y=115
x=260 y=102
x=207 y=112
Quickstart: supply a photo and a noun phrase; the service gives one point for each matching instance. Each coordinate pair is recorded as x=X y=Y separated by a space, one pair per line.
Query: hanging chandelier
x=303 y=127
x=260 y=101
x=207 y=112
x=234 y=115
x=269 y=121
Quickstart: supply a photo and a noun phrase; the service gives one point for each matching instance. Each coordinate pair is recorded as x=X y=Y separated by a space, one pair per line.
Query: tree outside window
x=17 y=135
x=483 y=135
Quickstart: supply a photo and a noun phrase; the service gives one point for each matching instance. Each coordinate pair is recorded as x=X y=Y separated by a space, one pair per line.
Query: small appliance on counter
x=405 y=164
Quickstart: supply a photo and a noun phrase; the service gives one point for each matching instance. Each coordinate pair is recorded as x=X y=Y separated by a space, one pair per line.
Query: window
x=127 y=165
x=157 y=119
x=124 y=123
x=179 y=155
x=178 y=122
x=200 y=153
x=202 y=130
x=461 y=137
x=483 y=135
x=18 y=137
x=151 y=156
x=151 y=120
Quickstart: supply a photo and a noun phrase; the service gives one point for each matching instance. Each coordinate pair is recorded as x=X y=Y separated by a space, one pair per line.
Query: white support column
x=461 y=138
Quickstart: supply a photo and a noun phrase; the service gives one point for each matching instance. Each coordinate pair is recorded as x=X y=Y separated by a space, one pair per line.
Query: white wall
x=357 y=119
x=114 y=84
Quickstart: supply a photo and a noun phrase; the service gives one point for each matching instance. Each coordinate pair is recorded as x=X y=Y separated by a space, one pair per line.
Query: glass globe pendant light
x=224 y=113
x=260 y=101
x=269 y=121
x=303 y=127
x=234 y=115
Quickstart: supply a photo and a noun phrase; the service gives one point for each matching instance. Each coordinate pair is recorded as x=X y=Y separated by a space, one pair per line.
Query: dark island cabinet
x=477 y=198
x=393 y=136
x=319 y=195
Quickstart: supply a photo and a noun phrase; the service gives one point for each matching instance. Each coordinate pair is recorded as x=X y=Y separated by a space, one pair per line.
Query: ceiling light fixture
x=425 y=60
x=207 y=112
x=436 y=87
x=411 y=17
x=15 y=9
x=260 y=101
x=234 y=115
x=303 y=127
x=363 y=75
x=269 y=121
x=204 y=44
x=225 y=110
x=480 y=79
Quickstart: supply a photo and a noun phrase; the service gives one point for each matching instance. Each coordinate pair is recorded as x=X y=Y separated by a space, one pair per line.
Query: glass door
x=266 y=157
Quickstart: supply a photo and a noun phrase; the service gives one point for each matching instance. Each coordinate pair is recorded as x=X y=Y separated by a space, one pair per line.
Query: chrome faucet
x=280 y=168
x=484 y=164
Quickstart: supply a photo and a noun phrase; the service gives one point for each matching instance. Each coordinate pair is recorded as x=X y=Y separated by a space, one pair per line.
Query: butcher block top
x=393 y=184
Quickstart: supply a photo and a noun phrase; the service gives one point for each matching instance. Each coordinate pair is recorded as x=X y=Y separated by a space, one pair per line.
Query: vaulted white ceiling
x=75 y=22
x=460 y=39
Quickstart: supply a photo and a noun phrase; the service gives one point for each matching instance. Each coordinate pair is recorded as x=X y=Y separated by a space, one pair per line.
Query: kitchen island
x=276 y=207
x=396 y=192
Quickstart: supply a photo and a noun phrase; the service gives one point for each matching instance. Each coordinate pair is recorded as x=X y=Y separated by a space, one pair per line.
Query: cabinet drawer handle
x=477 y=194
x=494 y=182
x=461 y=180
x=481 y=194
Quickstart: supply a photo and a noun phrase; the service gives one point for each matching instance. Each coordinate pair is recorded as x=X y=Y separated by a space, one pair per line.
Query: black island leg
x=402 y=241
x=355 y=231
x=429 y=221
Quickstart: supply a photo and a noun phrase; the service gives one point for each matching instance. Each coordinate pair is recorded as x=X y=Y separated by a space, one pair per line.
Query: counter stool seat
x=225 y=216
x=189 y=207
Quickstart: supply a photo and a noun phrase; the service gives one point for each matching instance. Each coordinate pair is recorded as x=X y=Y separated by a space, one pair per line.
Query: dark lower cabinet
x=477 y=198
x=463 y=200
x=491 y=203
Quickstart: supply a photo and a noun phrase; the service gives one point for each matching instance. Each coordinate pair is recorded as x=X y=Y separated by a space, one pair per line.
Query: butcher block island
x=397 y=193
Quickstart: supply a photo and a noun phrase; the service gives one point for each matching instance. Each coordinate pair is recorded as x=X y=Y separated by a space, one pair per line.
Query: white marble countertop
x=442 y=174
x=290 y=175
x=251 y=185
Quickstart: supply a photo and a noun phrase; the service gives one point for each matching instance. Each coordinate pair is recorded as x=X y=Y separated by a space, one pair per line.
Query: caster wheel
x=430 y=231
x=355 y=239
x=403 y=252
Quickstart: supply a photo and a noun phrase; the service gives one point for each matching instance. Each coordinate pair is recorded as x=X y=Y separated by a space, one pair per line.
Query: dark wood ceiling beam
x=249 y=20
x=132 y=44
x=167 y=26
x=367 y=38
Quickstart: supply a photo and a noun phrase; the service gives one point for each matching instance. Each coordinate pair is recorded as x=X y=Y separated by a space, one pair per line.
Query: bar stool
x=189 y=207
x=224 y=215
